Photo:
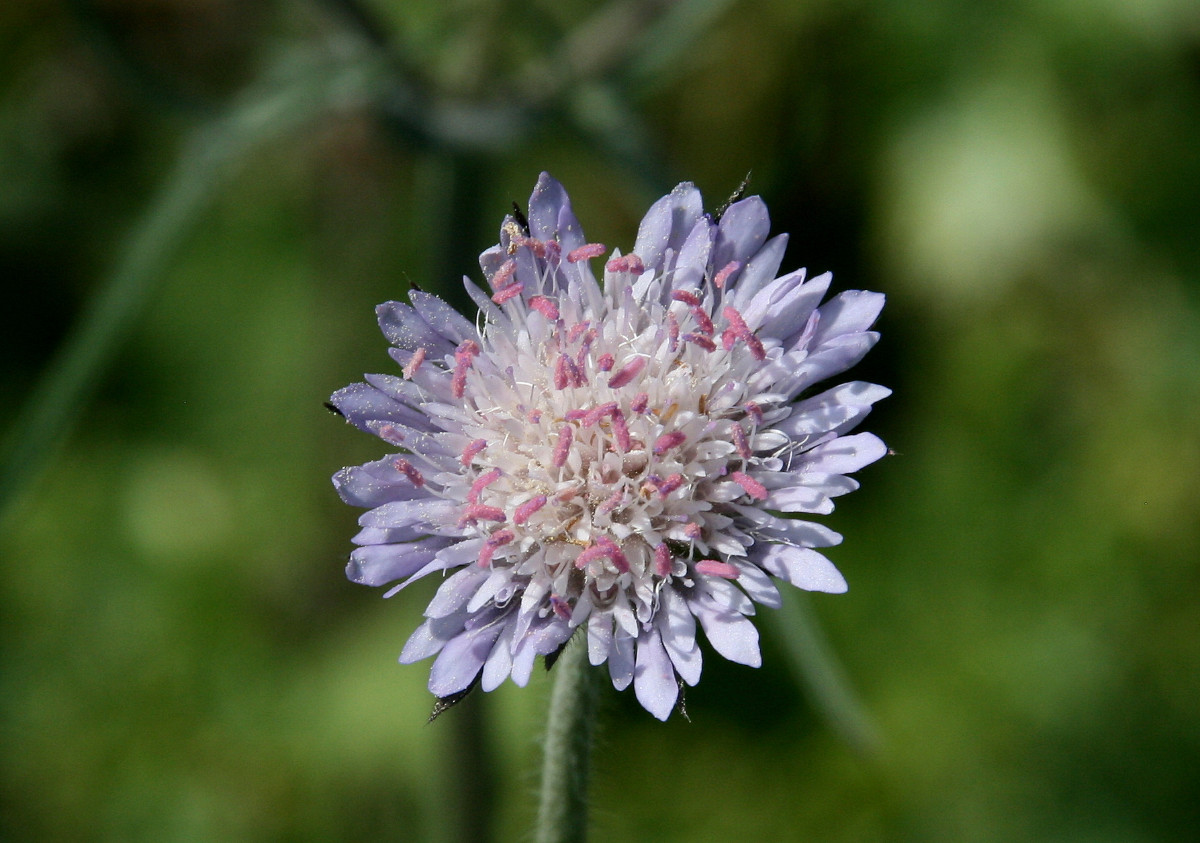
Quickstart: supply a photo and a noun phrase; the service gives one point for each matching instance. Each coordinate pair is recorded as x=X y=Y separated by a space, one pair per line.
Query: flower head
x=613 y=458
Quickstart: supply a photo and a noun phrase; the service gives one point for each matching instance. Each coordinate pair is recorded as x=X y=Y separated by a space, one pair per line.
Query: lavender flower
x=611 y=458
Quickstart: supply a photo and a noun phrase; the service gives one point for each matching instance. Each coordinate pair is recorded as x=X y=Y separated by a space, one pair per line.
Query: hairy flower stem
x=563 y=814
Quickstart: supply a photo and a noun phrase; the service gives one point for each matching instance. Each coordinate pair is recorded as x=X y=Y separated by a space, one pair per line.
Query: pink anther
x=662 y=560
x=544 y=306
x=620 y=430
x=566 y=435
x=668 y=441
x=576 y=330
x=503 y=276
x=463 y=355
x=561 y=607
x=614 y=500
x=627 y=373
x=408 y=470
x=723 y=276
x=509 y=292
x=700 y=340
x=588 y=554
x=702 y=321
x=494 y=542
x=693 y=530
x=389 y=433
x=741 y=443
x=753 y=488
x=753 y=411
x=482 y=482
x=686 y=296
x=714 y=568
x=525 y=510
x=595 y=414
x=586 y=252
x=575 y=415
x=626 y=263
x=640 y=402
x=669 y=485
x=605 y=362
x=479 y=512
x=472 y=450
x=562 y=377
x=672 y=331
x=414 y=363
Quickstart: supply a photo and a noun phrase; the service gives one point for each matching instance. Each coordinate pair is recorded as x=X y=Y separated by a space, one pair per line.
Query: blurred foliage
x=181 y=658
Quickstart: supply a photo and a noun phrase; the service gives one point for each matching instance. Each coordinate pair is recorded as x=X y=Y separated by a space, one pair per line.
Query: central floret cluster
x=610 y=457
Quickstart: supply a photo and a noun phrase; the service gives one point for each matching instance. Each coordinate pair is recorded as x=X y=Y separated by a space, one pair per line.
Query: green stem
x=562 y=816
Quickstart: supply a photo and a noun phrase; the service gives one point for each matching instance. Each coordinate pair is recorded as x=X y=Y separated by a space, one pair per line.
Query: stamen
x=562 y=377
x=586 y=252
x=481 y=483
x=577 y=329
x=686 y=296
x=503 y=276
x=561 y=607
x=614 y=500
x=741 y=443
x=495 y=541
x=714 y=568
x=389 y=433
x=692 y=530
x=627 y=373
x=463 y=355
x=408 y=470
x=739 y=330
x=662 y=560
x=626 y=263
x=620 y=430
x=668 y=441
x=575 y=415
x=522 y=512
x=544 y=306
x=669 y=485
x=605 y=362
x=700 y=340
x=509 y=292
x=598 y=413
x=414 y=363
x=723 y=276
x=672 y=331
x=472 y=450
x=479 y=512
x=702 y=321
x=566 y=435
x=640 y=401
x=753 y=488
x=753 y=411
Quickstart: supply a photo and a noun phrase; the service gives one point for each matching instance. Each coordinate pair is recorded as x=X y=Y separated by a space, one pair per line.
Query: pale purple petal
x=802 y=568
x=620 y=662
x=461 y=660
x=730 y=634
x=381 y=564
x=668 y=223
x=550 y=214
x=741 y=233
x=654 y=677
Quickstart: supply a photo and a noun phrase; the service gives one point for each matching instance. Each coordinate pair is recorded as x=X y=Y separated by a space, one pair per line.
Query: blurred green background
x=203 y=200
